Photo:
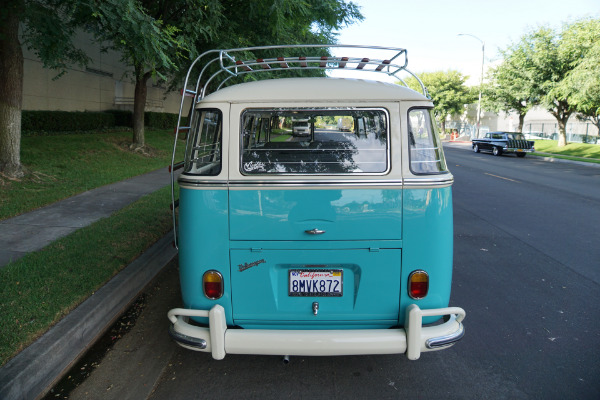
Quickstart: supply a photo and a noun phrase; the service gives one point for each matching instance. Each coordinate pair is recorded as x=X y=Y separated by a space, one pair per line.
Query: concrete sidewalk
x=34 y=230
x=34 y=370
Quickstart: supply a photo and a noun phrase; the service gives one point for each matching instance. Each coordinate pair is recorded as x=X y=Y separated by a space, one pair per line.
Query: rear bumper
x=517 y=150
x=413 y=339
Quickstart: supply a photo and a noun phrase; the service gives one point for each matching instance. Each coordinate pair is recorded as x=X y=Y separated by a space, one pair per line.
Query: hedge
x=75 y=121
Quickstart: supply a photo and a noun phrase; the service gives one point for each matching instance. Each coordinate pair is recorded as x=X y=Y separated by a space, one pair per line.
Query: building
x=538 y=124
x=105 y=84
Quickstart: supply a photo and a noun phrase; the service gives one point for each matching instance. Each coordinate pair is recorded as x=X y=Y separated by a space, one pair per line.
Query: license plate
x=316 y=282
x=519 y=150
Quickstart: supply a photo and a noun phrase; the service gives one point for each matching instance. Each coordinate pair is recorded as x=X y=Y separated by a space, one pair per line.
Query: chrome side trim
x=438 y=181
x=307 y=182
x=406 y=183
x=183 y=182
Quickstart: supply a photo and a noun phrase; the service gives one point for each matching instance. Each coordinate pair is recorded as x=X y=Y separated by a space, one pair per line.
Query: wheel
x=521 y=155
x=497 y=151
x=476 y=148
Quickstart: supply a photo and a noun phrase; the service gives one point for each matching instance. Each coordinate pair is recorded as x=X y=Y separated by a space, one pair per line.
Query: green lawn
x=61 y=166
x=573 y=151
x=39 y=289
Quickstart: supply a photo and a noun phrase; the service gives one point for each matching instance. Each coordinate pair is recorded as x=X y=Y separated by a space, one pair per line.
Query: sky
x=429 y=29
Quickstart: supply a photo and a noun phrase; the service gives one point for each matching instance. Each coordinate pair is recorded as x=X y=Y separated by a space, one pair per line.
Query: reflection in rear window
x=331 y=141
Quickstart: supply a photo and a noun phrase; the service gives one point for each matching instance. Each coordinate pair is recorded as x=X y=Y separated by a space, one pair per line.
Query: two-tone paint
x=376 y=228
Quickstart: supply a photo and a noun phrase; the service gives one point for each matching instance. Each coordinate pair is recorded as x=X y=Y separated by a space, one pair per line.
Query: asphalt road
x=527 y=271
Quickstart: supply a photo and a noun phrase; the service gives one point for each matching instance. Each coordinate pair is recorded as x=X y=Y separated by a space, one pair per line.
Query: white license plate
x=316 y=282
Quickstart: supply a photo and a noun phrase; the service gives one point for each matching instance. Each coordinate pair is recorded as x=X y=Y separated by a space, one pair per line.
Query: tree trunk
x=139 y=107
x=521 y=122
x=11 y=95
x=562 y=132
x=561 y=113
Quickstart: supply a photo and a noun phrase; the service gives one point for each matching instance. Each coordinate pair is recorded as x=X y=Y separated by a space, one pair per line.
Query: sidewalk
x=34 y=230
x=35 y=369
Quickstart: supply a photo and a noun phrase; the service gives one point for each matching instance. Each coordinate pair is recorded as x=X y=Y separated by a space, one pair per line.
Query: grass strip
x=39 y=289
x=572 y=151
x=61 y=166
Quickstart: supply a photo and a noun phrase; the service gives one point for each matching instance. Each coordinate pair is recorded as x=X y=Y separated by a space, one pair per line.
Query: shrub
x=160 y=120
x=77 y=121
x=64 y=121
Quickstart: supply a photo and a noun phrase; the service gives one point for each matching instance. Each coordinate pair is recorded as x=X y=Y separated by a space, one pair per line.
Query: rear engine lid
x=323 y=289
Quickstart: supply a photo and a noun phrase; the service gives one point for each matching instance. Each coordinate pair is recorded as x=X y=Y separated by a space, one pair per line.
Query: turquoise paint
x=352 y=214
x=203 y=245
x=366 y=231
x=428 y=245
x=371 y=282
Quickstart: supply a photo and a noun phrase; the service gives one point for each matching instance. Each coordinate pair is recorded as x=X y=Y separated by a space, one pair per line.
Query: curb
x=32 y=372
x=549 y=157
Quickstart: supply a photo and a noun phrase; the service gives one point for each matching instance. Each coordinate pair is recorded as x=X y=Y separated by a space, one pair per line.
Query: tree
x=549 y=61
x=161 y=35
x=506 y=89
x=582 y=84
x=273 y=22
x=193 y=26
x=266 y=22
x=447 y=90
x=48 y=26
x=48 y=29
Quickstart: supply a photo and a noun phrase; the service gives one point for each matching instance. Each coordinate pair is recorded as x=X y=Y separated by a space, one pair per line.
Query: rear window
x=332 y=141
x=426 y=155
x=516 y=136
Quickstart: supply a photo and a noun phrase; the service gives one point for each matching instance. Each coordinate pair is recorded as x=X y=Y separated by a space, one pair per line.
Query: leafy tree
x=191 y=27
x=48 y=26
x=48 y=29
x=582 y=84
x=506 y=89
x=156 y=45
x=554 y=66
x=447 y=90
x=266 y=22
x=154 y=37
x=273 y=22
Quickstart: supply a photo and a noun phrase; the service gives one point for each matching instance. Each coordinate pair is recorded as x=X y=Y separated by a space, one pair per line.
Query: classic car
x=499 y=143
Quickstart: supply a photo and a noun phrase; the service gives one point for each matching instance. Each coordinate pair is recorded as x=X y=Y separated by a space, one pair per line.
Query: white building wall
x=537 y=121
x=105 y=84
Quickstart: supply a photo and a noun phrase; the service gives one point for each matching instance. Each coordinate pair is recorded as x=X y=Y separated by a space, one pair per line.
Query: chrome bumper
x=414 y=339
x=517 y=150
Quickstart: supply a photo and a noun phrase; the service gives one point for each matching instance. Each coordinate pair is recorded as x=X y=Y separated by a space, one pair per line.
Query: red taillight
x=212 y=283
x=418 y=284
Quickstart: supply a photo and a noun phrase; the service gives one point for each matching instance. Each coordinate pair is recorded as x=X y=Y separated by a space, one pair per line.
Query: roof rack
x=230 y=65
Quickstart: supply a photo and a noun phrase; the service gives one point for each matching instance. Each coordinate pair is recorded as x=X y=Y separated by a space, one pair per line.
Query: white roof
x=314 y=89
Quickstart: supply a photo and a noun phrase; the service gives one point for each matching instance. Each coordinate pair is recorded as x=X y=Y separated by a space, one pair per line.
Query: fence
x=576 y=132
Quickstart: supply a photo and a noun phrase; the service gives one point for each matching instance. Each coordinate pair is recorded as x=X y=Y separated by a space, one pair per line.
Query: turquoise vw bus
x=333 y=242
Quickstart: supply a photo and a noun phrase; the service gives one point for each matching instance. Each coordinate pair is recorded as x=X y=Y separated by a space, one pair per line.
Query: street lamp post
x=481 y=79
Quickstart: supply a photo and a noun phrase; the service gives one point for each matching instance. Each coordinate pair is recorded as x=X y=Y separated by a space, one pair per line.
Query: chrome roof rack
x=220 y=67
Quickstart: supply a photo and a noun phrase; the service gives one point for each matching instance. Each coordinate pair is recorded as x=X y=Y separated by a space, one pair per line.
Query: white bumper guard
x=412 y=340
